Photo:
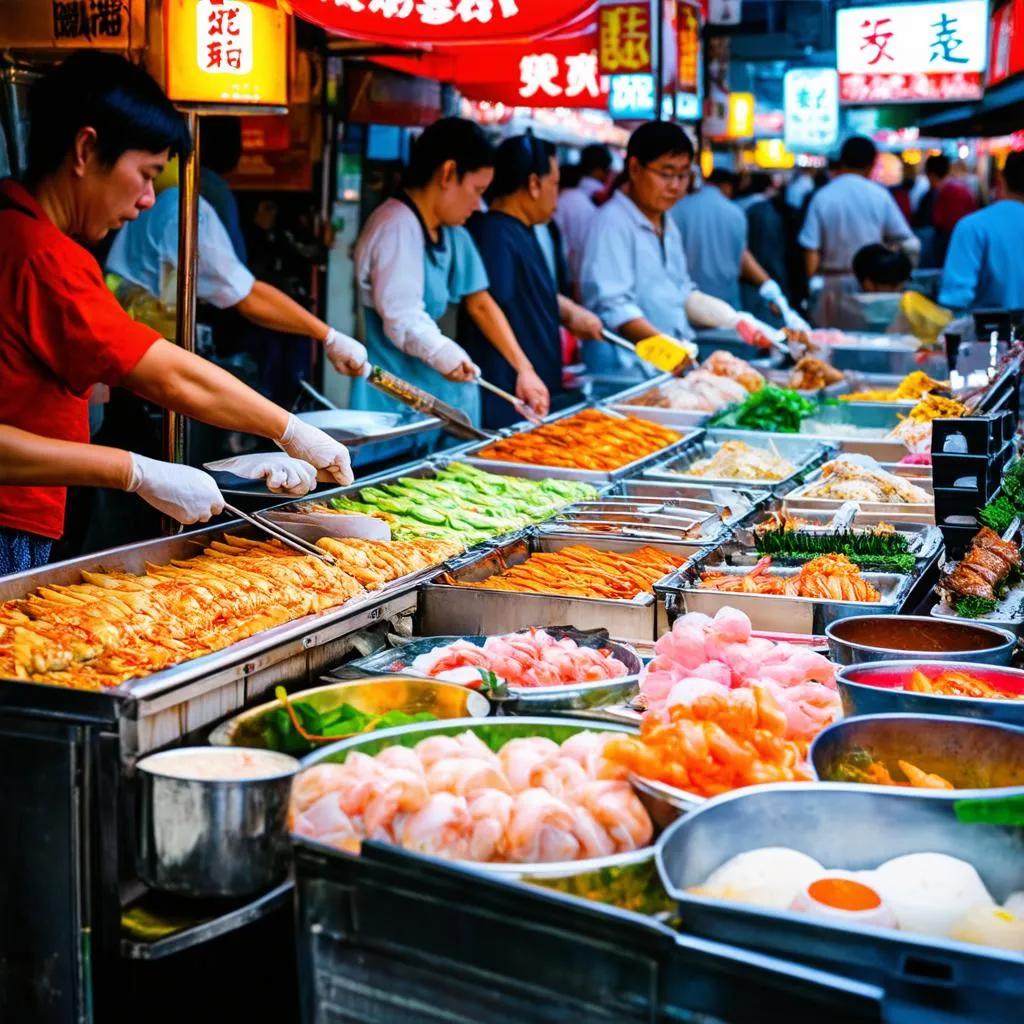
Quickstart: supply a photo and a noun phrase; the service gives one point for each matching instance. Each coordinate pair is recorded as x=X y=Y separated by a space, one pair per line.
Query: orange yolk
x=843 y=894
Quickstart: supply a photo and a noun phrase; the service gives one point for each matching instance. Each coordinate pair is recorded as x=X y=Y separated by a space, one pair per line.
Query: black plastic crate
x=983 y=435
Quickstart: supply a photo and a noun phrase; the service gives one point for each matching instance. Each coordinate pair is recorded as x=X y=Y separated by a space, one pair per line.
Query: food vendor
x=634 y=272
x=101 y=131
x=523 y=195
x=415 y=258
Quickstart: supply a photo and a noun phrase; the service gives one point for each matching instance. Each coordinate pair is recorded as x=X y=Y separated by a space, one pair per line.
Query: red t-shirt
x=61 y=332
x=953 y=202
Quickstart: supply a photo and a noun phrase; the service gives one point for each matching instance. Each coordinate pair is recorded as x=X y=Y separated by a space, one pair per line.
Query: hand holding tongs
x=517 y=403
x=283 y=535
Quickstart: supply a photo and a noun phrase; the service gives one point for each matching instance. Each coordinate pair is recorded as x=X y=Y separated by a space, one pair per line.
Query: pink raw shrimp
x=540 y=830
x=396 y=790
x=524 y=759
x=463 y=776
x=400 y=757
x=442 y=827
x=326 y=822
x=592 y=836
x=309 y=786
x=615 y=806
x=491 y=810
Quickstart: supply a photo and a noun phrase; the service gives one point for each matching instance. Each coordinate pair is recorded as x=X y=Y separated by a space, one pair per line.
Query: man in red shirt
x=101 y=132
x=950 y=201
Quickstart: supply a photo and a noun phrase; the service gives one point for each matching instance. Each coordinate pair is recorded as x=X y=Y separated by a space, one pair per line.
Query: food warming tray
x=852 y=827
x=695 y=520
x=923 y=513
x=625 y=403
x=891 y=354
x=681 y=493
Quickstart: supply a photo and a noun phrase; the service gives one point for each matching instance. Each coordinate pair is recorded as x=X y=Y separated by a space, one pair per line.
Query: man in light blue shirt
x=982 y=268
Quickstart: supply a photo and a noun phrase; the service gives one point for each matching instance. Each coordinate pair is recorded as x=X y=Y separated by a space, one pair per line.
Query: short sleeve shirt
x=61 y=332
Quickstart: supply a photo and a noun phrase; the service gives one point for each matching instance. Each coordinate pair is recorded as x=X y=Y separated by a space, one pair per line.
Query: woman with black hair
x=414 y=259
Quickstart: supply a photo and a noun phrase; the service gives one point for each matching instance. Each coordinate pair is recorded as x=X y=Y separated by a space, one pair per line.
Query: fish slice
x=279 y=533
x=661 y=351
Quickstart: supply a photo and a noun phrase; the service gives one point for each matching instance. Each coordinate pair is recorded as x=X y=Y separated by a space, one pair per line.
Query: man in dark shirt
x=524 y=194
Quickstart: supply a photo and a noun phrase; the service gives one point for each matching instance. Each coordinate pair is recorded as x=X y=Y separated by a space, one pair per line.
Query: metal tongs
x=518 y=404
x=283 y=535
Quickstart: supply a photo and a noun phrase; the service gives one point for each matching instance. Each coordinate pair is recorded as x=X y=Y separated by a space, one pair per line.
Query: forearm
x=268 y=306
x=637 y=330
x=751 y=271
x=44 y=461
x=566 y=309
x=704 y=310
x=187 y=384
x=488 y=316
x=812 y=261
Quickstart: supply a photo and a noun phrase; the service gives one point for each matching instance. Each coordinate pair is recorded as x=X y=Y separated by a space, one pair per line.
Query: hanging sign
x=226 y=51
x=811 y=98
x=1006 y=43
x=688 y=29
x=440 y=21
x=740 y=117
x=917 y=52
x=546 y=79
x=624 y=38
x=70 y=24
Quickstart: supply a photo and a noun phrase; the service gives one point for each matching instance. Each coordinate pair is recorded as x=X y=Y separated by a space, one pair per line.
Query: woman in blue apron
x=414 y=259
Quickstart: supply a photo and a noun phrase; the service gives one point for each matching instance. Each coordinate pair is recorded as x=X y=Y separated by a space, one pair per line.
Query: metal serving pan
x=891 y=354
x=880 y=449
x=852 y=827
x=924 y=513
x=975 y=757
x=677 y=419
x=680 y=594
x=803 y=454
x=877 y=689
x=446 y=609
x=682 y=493
x=695 y=521
x=539 y=700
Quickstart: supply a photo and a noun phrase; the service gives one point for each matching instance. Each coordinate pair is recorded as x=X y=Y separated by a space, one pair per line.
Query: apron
x=440 y=290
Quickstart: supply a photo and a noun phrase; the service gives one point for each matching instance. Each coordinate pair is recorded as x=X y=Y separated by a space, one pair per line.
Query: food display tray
x=804 y=455
x=625 y=403
x=750 y=501
x=852 y=827
x=446 y=609
x=679 y=593
x=889 y=354
x=880 y=448
x=923 y=513
x=540 y=700
x=696 y=520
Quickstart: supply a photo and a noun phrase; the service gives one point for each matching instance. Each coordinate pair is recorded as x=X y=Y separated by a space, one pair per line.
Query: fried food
x=913 y=387
x=830 y=578
x=952 y=683
x=810 y=374
x=725 y=364
x=736 y=460
x=985 y=569
x=850 y=481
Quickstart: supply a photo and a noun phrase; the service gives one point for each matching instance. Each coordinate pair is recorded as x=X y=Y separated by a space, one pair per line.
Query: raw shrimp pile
x=711 y=656
x=529 y=659
x=452 y=796
x=714 y=743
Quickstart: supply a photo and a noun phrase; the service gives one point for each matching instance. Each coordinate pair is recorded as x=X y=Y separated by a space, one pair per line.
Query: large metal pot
x=851 y=641
x=207 y=836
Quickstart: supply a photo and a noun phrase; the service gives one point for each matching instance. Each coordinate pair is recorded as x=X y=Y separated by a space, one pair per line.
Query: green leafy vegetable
x=998 y=513
x=973 y=607
x=773 y=409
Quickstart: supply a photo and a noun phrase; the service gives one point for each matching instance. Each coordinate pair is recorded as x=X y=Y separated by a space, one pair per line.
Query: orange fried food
x=958 y=684
x=580 y=571
x=718 y=743
x=827 y=578
x=588 y=440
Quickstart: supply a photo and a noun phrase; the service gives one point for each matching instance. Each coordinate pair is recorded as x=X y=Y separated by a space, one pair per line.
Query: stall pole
x=175 y=425
x=658 y=59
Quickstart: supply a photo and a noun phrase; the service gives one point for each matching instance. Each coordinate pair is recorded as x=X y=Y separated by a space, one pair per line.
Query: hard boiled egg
x=769 y=877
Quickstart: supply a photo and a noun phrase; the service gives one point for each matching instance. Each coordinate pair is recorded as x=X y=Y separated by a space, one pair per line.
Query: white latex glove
x=772 y=293
x=187 y=494
x=312 y=445
x=794 y=321
x=347 y=355
x=281 y=472
x=757 y=333
x=815 y=285
x=452 y=361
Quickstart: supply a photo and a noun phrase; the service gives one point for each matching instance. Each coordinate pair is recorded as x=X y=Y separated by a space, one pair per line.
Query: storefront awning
x=999 y=112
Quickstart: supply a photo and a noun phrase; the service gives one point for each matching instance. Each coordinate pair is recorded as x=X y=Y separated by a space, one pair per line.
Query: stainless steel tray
x=677 y=419
x=681 y=493
x=680 y=594
x=924 y=513
x=694 y=521
x=852 y=827
x=880 y=449
x=891 y=354
x=540 y=700
x=446 y=609
x=802 y=453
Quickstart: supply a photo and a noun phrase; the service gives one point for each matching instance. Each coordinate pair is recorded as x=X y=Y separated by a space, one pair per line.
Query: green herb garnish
x=973 y=607
x=773 y=409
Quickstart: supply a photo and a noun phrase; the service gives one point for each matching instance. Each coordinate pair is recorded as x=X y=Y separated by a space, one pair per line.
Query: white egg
x=990 y=926
x=1015 y=903
x=769 y=877
x=928 y=892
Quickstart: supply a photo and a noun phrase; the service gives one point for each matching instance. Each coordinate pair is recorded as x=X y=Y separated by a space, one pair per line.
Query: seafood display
x=116 y=626
x=735 y=460
x=581 y=571
x=725 y=364
x=828 y=577
x=586 y=440
x=927 y=893
x=701 y=655
x=912 y=388
x=843 y=479
x=984 y=575
x=699 y=391
x=771 y=409
x=950 y=683
x=810 y=374
x=532 y=801
x=530 y=659
x=458 y=502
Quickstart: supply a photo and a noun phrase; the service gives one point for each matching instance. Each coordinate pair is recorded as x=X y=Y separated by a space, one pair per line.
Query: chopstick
x=281 y=534
x=520 y=406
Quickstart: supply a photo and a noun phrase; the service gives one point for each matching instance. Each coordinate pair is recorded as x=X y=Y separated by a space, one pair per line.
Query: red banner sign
x=924 y=86
x=545 y=79
x=624 y=38
x=440 y=21
x=1006 y=42
x=688 y=28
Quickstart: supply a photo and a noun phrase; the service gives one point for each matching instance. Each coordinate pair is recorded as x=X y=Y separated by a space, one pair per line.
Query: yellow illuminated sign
x=226 y=51
x=772 y=154
x=740 y=119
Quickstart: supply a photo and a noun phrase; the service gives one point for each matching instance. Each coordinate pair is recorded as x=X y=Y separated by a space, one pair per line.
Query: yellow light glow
x=772 y=154
x=740 y=121
x=707 y=162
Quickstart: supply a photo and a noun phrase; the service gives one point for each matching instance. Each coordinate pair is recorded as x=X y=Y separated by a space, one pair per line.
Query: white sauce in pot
x=219 y=764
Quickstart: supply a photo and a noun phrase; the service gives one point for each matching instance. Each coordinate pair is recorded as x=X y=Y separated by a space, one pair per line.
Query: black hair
x=515 y=160
x=937 y=164
x=451 y=138
x=595 y=157
x=1013 y=173
x=657 y=139
x=723 y=176
x=881 y=265
x=220 y=146
x=570 y=177
x=103 y=91
x=760 y=181
x=858 y=153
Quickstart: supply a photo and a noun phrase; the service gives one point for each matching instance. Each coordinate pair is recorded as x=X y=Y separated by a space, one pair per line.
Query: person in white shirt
x=850 y=212
x=576 y=207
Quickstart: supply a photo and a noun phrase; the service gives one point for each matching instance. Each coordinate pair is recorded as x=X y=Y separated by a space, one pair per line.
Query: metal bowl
x=849 y=640
x=627 y=879
x=971 y=755
x=209 y=837
x=877 y=689
x=374 y=696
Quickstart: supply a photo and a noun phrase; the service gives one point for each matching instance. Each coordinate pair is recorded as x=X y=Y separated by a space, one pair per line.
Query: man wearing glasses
x=634 y=272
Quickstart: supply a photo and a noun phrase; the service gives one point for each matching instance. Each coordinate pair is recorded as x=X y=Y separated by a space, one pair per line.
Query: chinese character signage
x=83 y=22
x=226 y=51
x=440 y=21
x=1006 y=43
x=631 y=98
x=554 y=76
x=70 y=24
x=811 y=99
x=688 y=27
x=624 y=38
x=920 y=52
